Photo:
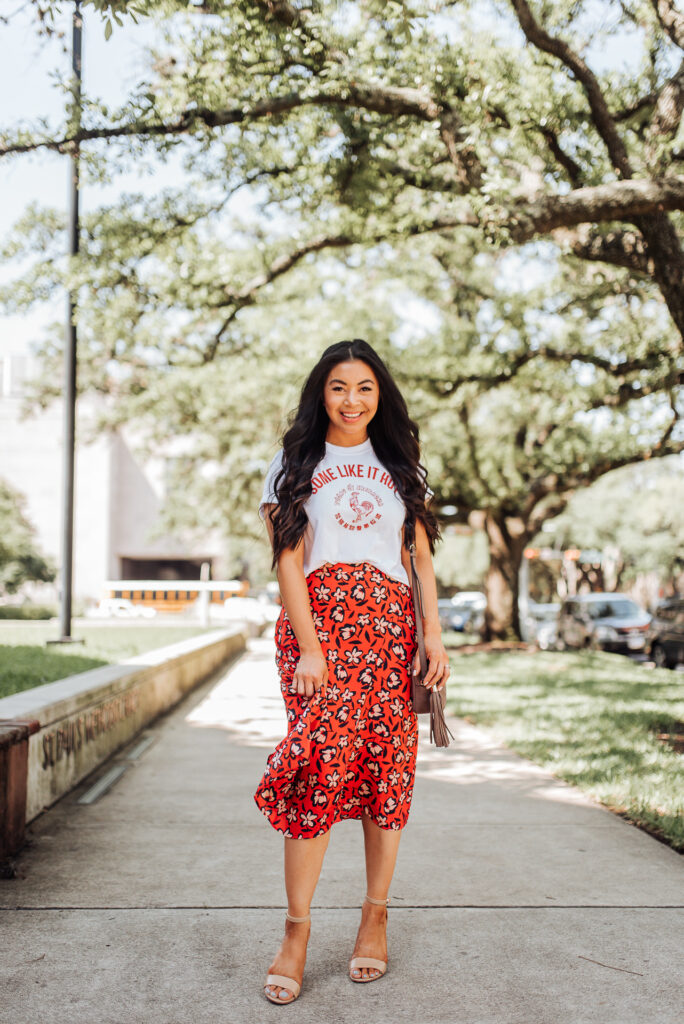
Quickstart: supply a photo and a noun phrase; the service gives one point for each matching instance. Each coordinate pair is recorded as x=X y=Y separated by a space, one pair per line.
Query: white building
x=118 y=495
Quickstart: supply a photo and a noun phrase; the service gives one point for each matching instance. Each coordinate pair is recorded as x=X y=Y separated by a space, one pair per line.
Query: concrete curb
x=84 y=719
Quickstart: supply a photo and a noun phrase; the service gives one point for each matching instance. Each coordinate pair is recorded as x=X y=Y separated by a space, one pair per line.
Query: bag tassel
x=439 y=730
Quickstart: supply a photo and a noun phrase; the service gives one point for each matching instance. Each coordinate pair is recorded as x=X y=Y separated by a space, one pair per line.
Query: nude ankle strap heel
x=281 y=982
x=379 y=903
x=359 y=962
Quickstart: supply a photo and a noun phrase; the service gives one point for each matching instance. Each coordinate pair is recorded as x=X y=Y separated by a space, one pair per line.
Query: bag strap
x=419 y=608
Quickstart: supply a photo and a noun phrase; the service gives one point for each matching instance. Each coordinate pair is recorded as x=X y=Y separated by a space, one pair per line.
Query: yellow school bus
x=173 y=595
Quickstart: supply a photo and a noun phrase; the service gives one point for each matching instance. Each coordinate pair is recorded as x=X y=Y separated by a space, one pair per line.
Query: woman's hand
x=310 y=674
x=438 y=662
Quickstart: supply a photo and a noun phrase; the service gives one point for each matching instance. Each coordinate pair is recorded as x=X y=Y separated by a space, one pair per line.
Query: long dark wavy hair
x=392 y=432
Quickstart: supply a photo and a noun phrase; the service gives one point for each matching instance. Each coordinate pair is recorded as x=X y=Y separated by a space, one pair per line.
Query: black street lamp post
x=70 y=352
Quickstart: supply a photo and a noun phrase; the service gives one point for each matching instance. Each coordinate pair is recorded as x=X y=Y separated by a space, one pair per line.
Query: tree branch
x=574 y=171
x=550 y=511
x=661 y=449
x=618 y=200
x=469 y=170
x=391 y=100
x=662 y=240
x=601 y=116
x=418 y=179
x=627 y=389
x=464 y=157
x=666 y=116
x=635 y=108
x=464 y=416
x=563 y=485
x=619 y=248
x=671 y=20
x=634 y=390
x=248 y=293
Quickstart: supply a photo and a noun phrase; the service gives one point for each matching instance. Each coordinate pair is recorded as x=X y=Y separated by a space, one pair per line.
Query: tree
x=518 y=410
x=428 y=146
x=541 y=393
x=641 y=537
x=20 y=561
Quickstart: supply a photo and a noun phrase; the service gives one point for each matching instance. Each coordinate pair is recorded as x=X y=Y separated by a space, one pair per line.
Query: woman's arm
x=311 y=672
x=438 y=660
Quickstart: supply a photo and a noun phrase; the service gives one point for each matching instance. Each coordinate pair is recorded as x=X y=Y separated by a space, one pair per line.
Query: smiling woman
x=342 y=500
x=351 y=401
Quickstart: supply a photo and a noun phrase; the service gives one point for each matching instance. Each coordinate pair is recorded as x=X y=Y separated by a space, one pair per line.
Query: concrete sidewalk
x=516 y=899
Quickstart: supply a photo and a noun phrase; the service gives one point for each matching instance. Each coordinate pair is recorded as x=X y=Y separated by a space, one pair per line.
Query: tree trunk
x=507 y=538
x=668 y=262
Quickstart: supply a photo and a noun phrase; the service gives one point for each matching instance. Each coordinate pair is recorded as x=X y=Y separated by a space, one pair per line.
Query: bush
x=27 y=611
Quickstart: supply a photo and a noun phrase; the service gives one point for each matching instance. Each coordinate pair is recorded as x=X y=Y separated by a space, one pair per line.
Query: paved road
x=516 y=899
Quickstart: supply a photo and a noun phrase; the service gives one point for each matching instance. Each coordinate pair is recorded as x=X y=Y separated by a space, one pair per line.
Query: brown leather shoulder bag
x=426 y=701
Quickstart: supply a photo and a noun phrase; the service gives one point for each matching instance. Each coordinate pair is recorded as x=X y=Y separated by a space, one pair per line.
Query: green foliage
x=461 y=561
x=368 y=169
x=20 y=561
x=648 y=533
x=27 y=611
x=111 y=12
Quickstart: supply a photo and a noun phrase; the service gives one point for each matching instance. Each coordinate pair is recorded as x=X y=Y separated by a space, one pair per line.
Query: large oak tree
x=425 y=145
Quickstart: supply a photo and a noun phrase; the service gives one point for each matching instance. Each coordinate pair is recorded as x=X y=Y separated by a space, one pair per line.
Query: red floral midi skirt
x=351 y=748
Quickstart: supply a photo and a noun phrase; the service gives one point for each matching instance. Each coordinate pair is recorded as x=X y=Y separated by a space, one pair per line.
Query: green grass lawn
x=588 y=717
x=25 y=662
x=451 y=638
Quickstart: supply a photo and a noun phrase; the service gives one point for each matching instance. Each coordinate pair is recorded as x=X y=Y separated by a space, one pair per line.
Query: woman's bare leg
x=382 y=846
x=303 y=862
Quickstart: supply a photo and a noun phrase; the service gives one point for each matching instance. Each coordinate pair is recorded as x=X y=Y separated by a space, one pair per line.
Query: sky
x=109 y=68
x=26 y=64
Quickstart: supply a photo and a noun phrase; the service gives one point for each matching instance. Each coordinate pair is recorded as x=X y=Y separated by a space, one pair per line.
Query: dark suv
x=665 y=638
x=609 y=622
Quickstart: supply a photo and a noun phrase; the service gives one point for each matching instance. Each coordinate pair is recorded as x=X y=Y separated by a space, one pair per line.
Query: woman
x=341 y=502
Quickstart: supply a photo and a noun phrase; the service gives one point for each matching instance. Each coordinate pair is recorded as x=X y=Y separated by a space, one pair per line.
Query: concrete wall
x=31 y=453
x=85 y=718
x=138 y=494
x=119 y=489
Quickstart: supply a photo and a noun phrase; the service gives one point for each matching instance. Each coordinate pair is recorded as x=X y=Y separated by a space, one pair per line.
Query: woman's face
x=350 y=396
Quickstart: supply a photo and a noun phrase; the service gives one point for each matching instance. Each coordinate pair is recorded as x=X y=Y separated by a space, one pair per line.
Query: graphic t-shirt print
x=365 y=510
x=358 y=504
x=355 y=512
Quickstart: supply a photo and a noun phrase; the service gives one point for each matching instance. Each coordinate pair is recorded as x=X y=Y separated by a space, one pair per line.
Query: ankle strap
x=379 y=903
x=297 y=920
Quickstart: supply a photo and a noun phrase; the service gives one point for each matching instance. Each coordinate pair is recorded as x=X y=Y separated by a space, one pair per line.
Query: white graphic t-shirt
x=355 y=512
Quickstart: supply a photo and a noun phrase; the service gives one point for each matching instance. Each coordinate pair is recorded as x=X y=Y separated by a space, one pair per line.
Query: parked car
x=271 y=610
x=609 y=622
x=473 y=603
x=542 y=625
x=255 y=614
x=665 y=637
x=120 y=608
x=464 y=612
x=451 y=617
